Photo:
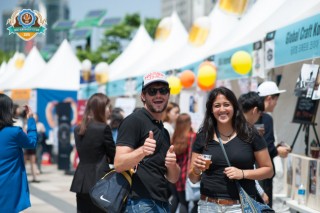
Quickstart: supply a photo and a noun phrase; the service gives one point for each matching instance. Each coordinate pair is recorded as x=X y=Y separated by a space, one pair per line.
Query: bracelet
x=242 y=174
x=196 y=173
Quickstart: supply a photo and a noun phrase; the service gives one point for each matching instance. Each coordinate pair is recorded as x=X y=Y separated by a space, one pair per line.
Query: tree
x=117 y=37
x=5 y=56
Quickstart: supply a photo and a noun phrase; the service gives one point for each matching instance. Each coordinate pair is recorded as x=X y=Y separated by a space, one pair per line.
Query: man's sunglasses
x=162 y=90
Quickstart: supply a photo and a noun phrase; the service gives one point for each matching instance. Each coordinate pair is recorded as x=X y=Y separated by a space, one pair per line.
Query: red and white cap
x=153 y=77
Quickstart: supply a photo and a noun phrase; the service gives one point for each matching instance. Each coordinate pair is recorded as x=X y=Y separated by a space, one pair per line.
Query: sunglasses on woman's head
x=162 y=90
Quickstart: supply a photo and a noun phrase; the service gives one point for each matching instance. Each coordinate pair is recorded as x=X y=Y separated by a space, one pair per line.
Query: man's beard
x=156 y=110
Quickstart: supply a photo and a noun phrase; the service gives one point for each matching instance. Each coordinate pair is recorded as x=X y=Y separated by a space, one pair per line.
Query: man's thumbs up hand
x=149 y=145
x=171 y=158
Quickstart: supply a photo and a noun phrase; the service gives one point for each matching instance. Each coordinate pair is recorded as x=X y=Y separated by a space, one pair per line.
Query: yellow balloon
x=207 y=74
x=19 y=63
x=174 y=84
x=241 y=62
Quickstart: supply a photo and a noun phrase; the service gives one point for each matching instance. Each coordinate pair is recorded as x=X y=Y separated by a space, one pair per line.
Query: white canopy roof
x=140 y=44
x=3 y=68
x=286 y=13
x=263 y=16
x=62 y=71
x=32 y=68
x=10 y=72
x=162 y=50
x=221 y=24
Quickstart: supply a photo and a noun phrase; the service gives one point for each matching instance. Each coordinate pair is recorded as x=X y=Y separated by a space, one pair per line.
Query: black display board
x=305 y=111
x=64 y=129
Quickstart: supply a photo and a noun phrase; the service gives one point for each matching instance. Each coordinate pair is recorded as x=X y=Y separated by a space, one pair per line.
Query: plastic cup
x=207 y=159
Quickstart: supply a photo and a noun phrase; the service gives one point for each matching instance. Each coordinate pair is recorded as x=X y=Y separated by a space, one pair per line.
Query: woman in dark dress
x=96 y=150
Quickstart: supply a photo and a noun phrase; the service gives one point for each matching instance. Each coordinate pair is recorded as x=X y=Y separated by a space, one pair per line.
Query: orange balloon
x=187 y=78
x=205 y=88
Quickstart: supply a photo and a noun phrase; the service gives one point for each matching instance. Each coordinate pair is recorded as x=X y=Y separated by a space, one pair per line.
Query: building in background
x=188 y=10
x=55 y=10
x=52 y=10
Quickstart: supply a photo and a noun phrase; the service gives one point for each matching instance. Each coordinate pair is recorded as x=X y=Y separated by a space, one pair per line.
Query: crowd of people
x=159 y=143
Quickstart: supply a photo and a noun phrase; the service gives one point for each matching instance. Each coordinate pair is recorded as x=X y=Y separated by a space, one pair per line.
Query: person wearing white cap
x=144 y=143
x=270 y=93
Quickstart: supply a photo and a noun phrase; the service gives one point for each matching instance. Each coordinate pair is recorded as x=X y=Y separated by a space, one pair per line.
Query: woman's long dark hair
x=181 y=134
x=6 y=111
x=239 y=123
x=95 y=111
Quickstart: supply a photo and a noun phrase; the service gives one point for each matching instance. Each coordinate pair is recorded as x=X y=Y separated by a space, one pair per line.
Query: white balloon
x=86 y=65
x=101 y=67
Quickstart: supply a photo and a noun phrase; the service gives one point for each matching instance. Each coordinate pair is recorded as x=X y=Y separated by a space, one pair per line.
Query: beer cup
x=207 y=158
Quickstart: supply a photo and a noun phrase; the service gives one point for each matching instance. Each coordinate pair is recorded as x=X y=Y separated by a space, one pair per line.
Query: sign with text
x=297 y=42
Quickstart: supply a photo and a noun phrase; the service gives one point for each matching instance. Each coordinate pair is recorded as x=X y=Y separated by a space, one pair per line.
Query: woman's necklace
x=227 y=136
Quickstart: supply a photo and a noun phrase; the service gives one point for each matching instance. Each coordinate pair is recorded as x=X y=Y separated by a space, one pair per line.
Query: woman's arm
x=197 y=165
x=264 y=166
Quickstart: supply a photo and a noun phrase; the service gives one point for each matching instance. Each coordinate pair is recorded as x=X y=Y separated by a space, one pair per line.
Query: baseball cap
x=269 y=88
x=153 y=77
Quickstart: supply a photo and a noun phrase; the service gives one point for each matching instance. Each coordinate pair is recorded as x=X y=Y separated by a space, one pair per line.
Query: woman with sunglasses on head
x=244 y=147
x=14 y=196
x=144 y=143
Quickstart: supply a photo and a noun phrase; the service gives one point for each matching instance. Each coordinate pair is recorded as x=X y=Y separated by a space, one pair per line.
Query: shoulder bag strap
x=225 y=154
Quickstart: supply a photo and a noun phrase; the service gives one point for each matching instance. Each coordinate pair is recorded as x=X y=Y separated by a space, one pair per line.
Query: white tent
x=3 y=68
x=32 y=68
x=263 y=17
x=220 y=24
x=62 y=72
x=140 y=44
x=10 y=72
x=162 y=49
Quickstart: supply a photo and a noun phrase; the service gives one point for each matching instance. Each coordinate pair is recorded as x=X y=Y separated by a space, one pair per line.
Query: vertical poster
x=316 y=89
x=193 y=103
x=300 y=175
x=289 y=175
x=313 y=187
x=306 y=80
x=313 y=177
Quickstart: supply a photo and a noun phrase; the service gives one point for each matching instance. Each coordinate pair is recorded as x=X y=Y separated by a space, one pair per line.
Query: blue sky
x=115 y=8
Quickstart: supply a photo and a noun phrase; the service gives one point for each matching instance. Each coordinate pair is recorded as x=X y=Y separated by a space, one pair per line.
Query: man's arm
x=127 y=157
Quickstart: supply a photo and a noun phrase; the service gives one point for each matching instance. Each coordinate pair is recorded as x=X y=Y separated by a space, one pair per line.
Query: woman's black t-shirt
x=214 y=183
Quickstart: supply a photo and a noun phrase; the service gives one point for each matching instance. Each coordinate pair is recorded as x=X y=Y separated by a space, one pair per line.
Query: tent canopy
x=174 y=36
x=62 y=72
x=139 y=46
x=33 y=67
x=220 y=24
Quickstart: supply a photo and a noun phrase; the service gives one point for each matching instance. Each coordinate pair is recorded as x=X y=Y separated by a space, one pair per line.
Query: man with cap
x=270 y=93
x=144 y=143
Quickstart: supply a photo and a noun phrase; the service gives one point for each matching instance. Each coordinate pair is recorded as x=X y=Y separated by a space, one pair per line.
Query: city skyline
x=146 y=8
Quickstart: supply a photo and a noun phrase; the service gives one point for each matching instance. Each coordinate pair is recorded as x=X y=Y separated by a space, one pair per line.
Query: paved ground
x=52 y=194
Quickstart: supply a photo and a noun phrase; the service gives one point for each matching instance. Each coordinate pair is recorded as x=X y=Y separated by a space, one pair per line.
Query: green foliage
x=151 y=26
x=116 y=36
x=4 y=56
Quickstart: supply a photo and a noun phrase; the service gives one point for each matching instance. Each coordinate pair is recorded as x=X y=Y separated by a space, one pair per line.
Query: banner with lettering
x=296 y=42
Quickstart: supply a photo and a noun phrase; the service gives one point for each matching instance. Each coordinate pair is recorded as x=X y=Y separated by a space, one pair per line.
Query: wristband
x=196 y=173
x=242 y=174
